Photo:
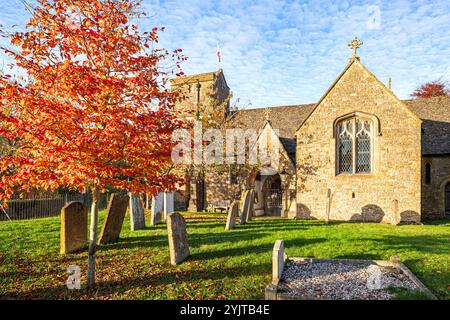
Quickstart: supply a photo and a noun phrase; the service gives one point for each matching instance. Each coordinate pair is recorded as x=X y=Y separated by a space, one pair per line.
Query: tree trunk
x=93 y=239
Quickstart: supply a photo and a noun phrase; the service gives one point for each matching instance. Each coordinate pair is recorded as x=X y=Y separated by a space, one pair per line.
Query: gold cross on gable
x=355 y=44
x=267 y=112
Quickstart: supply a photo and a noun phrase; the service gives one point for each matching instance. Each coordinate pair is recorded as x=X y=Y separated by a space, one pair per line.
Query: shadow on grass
x=436 y=244
x=231 y=237
x=247 y=232
x=163 y=278
x=136 y=242
x=440 y=222
x=265 y=247
x=205 y=224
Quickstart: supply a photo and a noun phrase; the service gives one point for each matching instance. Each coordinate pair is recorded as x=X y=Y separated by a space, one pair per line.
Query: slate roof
x=435 y=115
x=434 y=112
x=285 y=119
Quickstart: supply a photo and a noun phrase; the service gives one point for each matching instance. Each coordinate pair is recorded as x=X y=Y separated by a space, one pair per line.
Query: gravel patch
x=341 y=281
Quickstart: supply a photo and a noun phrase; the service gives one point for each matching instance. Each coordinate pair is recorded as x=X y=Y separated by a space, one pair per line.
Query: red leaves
x=432 y=89
x=88 y=114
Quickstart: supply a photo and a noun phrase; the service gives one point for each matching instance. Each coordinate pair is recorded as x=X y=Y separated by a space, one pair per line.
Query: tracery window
x=354 y=145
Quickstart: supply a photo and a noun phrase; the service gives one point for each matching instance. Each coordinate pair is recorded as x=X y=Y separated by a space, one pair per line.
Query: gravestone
x=112 y=225
x=168 y=204
x=244 y=207
x=178 y=238
x=250 y=205
x=278 y=258
x=232 y=213
x=156 y=210
x=329 y=199
x=137 y=217
x=241 y=203
x=74 y=217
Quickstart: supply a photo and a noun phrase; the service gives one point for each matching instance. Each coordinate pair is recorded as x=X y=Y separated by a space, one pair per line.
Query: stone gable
x=396 y=155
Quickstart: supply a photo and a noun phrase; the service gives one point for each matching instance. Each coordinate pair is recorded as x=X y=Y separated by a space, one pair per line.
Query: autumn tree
x=92 y=108
x=432 y=89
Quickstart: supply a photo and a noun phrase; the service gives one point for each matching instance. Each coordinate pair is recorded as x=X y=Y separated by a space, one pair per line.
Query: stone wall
x=393 y=189
x=433 y=204
x=219 y=187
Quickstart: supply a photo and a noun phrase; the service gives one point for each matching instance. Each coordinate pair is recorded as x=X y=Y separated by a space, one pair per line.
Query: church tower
x=201 y=92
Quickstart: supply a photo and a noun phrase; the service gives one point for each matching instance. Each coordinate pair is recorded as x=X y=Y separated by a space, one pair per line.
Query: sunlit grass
x=232 y=264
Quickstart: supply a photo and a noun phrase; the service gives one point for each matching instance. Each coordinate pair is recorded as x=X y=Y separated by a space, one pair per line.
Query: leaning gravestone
x=178 y=239
x=157 y=209
x=244 y=207
x=232 y=213
x=250 y=205
x=137 y=217
x=112 y=225
x=278 y=259
x=241 y=203
x=74 y=218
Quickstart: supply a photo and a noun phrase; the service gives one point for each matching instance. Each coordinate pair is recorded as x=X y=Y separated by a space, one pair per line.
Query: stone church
x=358 y=154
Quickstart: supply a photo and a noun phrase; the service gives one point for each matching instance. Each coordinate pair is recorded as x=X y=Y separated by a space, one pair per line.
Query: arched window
x=354 y=145
x=428 y=173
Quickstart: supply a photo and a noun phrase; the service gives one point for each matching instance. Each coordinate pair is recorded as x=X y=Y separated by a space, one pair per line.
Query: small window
x=428 y=173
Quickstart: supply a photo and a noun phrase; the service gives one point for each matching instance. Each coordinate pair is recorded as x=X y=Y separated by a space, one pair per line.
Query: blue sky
x=289 y=52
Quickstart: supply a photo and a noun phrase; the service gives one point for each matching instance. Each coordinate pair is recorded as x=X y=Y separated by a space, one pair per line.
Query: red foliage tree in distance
x=431 y=89
x=93 y=109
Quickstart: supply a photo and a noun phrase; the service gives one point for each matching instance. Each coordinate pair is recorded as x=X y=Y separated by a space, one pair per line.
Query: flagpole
x=218 y=54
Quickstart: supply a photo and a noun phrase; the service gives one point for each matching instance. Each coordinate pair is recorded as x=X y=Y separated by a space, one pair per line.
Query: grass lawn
x=224 y=265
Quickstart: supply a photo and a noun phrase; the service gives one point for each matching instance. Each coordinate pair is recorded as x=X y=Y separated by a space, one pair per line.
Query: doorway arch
x=273 y=195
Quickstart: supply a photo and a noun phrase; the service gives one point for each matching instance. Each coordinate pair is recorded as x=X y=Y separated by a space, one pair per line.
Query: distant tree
x=93 y=109
x=431 y=89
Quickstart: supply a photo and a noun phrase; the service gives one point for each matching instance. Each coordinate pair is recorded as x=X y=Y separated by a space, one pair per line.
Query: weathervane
x=355 y=44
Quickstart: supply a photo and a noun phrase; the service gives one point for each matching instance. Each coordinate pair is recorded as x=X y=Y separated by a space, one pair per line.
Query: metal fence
x=49 y=206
